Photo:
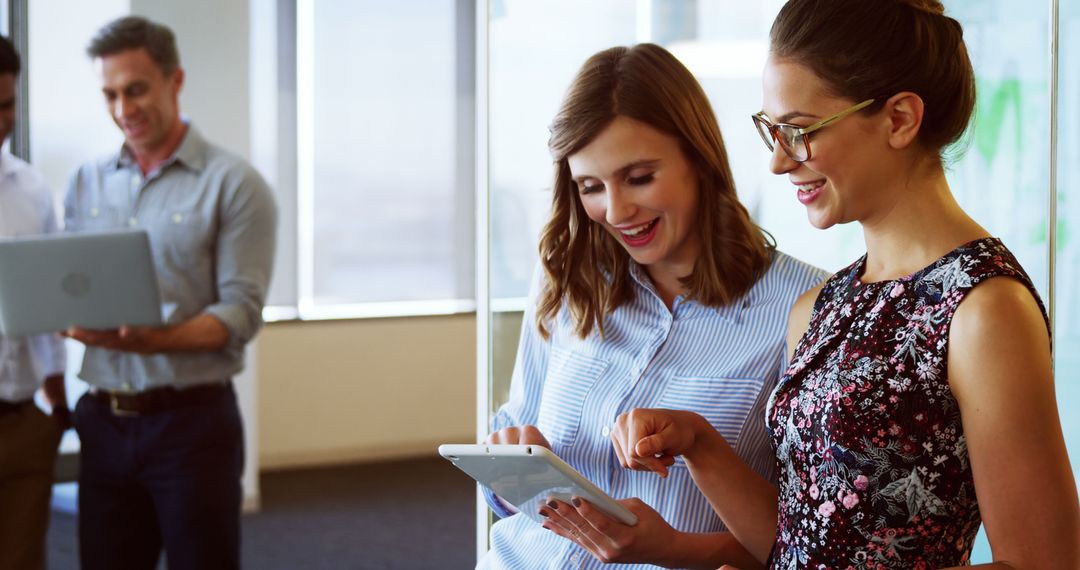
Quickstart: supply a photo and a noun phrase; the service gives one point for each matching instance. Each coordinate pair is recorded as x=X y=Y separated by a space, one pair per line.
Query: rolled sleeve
x=245 y=257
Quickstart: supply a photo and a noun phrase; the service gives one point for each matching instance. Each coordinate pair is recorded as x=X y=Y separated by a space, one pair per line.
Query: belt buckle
x=114 y=406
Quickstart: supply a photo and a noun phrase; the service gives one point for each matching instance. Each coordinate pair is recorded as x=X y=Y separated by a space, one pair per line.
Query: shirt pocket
x=182 y=239
x=723 y=402
x=570 y=377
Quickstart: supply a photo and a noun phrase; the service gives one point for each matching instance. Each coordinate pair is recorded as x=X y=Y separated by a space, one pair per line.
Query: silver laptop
x=90 y=280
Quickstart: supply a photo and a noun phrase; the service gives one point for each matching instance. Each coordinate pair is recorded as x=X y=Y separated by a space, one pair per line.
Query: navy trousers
x=167 y=480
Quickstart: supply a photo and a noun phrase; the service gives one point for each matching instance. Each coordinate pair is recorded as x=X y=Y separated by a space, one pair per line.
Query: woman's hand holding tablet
x=529 y=477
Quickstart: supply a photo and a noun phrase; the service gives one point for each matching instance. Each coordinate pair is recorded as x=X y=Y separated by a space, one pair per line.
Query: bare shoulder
x=803 y=307
x=998 y=328
x=996 y=311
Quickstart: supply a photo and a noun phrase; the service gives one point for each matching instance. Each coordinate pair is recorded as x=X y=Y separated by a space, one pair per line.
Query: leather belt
x=159 y=400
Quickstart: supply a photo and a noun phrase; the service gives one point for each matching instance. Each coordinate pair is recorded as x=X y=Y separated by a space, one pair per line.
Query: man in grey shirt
x=162 y=442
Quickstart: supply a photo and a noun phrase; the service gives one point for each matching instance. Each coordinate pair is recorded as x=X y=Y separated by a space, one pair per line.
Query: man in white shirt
x=28 y=438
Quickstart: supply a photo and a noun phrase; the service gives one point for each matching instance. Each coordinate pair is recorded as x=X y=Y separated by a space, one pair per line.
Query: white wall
x=212 y=36
x=364 y=390
x=67 y=112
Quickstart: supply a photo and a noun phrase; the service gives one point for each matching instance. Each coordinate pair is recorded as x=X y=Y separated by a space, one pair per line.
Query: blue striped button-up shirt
x=719 y=362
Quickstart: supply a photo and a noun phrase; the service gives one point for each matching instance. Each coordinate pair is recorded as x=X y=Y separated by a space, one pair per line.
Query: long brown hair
x=874 y=50
x=586 y=268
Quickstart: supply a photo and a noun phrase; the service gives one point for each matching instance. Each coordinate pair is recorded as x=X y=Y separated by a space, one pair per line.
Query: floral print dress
x=872 y=463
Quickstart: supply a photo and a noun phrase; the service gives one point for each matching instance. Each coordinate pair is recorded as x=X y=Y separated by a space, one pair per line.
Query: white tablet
x=528 y=476
x=91 y=280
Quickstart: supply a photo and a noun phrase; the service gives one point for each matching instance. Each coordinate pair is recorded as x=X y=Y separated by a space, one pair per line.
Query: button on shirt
x=211 y=220
x=26 y=209
x=719 y=362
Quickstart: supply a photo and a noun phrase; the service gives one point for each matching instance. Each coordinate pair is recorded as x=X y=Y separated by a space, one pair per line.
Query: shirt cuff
x=236 y=320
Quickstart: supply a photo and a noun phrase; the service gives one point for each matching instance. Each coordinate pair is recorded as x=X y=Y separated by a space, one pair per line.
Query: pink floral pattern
x=872 y=464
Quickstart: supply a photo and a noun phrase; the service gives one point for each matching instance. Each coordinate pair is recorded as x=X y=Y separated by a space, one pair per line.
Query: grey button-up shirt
x=211 y=220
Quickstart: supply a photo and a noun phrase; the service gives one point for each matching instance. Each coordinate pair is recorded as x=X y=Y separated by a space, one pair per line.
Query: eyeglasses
x=794 y=139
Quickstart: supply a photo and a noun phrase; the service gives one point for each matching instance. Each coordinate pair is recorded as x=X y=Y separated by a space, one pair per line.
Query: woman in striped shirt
x=657 y=290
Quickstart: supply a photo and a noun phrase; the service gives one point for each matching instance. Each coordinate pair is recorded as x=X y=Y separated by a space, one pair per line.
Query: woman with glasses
x=919 y=400
x=657 y=290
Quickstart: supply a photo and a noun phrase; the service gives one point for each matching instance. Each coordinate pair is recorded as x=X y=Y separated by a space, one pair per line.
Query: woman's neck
x=922 y=224
x=667 y=280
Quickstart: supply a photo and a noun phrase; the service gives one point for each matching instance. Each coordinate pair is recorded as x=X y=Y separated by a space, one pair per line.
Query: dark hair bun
x=874 y=49
x=932 y=6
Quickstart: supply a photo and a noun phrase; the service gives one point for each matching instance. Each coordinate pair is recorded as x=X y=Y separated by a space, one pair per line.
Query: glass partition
x=1066 y=253
x=1003 y=177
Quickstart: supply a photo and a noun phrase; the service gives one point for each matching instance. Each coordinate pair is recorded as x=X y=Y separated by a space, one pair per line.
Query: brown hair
x=875 y=49
x=135 y=32
x=9 y=58
x=586 y=268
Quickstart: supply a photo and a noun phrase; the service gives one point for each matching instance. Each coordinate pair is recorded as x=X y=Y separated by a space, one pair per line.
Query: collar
x=191 y=153
x=736 y=310
x=681 y=307
x=8 y=164
x=733 y=312
x=638 y=274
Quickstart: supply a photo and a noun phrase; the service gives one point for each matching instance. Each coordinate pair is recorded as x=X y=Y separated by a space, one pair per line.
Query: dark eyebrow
x=124 y=88
x=786 y=118
x=621 y=171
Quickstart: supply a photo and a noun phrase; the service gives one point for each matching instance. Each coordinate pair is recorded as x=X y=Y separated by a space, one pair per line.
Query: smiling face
x=142 y=100
x=636 y=182
x=850 y=160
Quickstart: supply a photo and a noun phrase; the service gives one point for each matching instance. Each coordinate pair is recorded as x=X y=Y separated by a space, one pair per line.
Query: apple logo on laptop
x=76 y=284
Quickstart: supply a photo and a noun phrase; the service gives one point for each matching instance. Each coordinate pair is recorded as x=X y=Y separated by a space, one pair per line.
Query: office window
x=362 y=120
x=385 y=154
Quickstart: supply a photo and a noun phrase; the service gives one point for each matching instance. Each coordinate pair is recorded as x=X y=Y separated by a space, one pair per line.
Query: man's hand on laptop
x=145 y=340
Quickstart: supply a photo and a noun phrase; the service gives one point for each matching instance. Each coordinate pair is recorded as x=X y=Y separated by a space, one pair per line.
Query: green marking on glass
x=1038 y=233
x=992 y=106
